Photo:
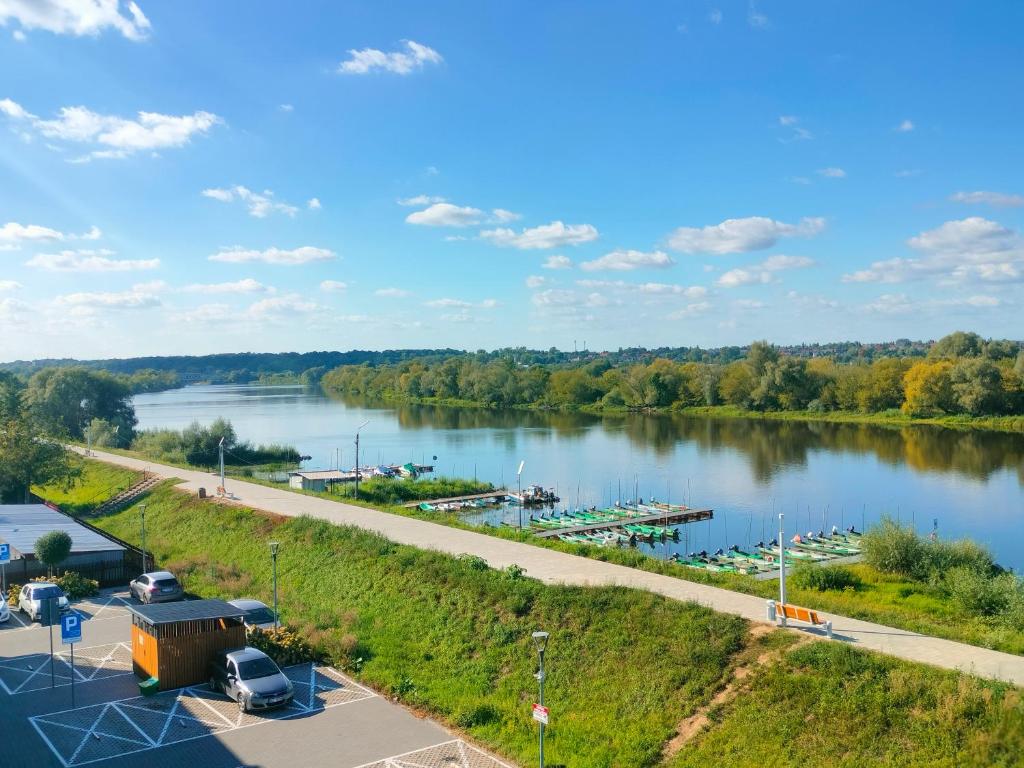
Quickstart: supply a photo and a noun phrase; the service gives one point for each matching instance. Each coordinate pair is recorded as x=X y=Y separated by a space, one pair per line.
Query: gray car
x=156 y=587
x=257 y=614
x=251 y=678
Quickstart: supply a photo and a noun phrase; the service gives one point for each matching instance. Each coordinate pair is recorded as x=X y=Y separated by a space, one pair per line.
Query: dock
x=497 y=493
x=664 y=518
x=774 y=573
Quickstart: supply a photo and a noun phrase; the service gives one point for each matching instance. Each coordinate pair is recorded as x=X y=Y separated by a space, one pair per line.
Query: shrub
x=53 y=548
x=76 y=586
x=825 y=577
x=891 y=548
x=12 y=593
x=981 y=594
x=284 y=645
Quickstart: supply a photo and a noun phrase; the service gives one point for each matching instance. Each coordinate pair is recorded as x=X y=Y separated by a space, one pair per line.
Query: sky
x=190 y=177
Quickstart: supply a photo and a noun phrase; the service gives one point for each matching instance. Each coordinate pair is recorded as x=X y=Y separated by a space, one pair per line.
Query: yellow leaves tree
x=928 y=389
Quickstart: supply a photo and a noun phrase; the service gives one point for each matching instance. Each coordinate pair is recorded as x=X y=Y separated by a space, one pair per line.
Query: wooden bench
x=789 y=611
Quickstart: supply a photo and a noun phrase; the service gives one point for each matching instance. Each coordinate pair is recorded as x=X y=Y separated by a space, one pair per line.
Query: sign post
x=71 y=633
x=5 y=558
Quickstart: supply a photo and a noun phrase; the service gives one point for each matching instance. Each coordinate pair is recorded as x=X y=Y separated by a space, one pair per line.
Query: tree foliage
x=63 y=401
x=28 y=457
x=53 y=548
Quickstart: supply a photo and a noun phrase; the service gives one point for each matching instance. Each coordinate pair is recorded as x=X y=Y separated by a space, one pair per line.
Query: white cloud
x=973 y=235
x=980 y=197
x=557 y=262
x=20 y=36
x=901 y=304
x=303 y=255
x=333 y=286
x=14 y=312
x=461 y=304
x=762 y=273
x=13 y=235
x=558 y=298
x=286 y=107
x=206 y=314
x=10 y=285
x=392 y=293
x=553 y=235
x=94 y=233
x=314 y=204
x=119 y=137
x=626 y=260
x=535 y=281
x=690 y=310
x=501 y=216
x=799 y=133
x=804 y=301
x=277 y=306
x=418 y=200
x=259 y=205
x=88 y=261
x=905 y=126
x=740 y=235
x=715 y=17
x=755 y=18
x=139 y=297
x=246 y=285
x=654 y=290
x=832 y=173
x=446 y=215
x=403 y=62
x=76 y=17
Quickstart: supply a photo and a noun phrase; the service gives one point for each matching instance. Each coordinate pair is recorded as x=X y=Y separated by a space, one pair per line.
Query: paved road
x=335 y=723
x=560 y=568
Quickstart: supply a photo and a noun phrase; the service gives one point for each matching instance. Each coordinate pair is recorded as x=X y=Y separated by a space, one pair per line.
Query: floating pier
x=676 y=517
x=499 y=494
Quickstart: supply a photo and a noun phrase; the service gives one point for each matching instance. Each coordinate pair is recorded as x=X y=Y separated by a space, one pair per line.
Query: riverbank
x=891 y=418
x=633 y=678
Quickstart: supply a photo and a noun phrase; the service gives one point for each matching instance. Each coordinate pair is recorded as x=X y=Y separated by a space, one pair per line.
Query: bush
x=76 y=586
x=825 y=577
x=981 y=594
x=284 y=645
x=53 y=548
x=12 y=594
x=892 y=548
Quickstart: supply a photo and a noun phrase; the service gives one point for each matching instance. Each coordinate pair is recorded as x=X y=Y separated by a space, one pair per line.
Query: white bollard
x=828 y=629
x=771 y=611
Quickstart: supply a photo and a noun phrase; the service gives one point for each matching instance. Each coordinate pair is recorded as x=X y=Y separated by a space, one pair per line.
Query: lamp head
x=540 y=640
x=274 y=545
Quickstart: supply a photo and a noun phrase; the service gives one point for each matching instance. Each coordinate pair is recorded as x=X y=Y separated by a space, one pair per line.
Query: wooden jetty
x=497 y=493
x=663 y=518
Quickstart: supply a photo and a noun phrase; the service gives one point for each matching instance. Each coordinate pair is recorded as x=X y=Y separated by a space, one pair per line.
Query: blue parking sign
x=70 y=628
x=5 y=554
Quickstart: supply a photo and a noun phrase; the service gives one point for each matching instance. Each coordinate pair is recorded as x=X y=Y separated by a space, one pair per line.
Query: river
x=818 y=474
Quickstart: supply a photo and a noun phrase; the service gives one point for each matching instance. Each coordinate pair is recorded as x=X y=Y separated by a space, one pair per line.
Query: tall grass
x=97 y=482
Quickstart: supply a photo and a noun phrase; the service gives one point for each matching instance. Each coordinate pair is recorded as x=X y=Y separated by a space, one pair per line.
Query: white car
x=257 y=614
x=5 y=612
x=31 y=597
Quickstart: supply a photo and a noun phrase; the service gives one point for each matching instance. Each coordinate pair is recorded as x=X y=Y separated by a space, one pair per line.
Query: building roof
x=21 y=525
x=186 y=610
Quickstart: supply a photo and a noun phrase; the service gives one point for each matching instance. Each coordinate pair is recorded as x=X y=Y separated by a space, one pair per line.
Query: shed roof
x=322 y=474
x=22 y=524
x=186 y=610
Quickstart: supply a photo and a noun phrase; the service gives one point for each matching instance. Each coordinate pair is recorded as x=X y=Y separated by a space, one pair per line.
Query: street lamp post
x=357 y=455
x=540 y=642
x=142 y=513
x=220 y=451
x=782 y=566
x=273 y=558
x=519 y=483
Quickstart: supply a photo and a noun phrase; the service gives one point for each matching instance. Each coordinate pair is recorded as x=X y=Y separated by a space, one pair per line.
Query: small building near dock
x=318 y=479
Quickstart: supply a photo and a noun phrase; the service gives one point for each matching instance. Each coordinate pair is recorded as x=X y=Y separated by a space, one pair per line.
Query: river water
x=818 y=474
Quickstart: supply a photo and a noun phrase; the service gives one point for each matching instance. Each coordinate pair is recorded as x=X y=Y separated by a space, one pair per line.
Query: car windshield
x=250 y=670
x=166 y=582
x=42 y=593
x=259 y=616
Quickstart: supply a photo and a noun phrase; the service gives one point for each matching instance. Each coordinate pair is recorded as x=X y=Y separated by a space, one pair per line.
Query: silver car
x=251 y=678
x=5 y=612
x=31 y=597
x=156 y=587
x=257 y=614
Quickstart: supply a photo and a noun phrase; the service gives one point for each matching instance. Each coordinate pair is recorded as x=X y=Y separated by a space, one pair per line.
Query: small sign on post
x=5 y=558
x=540 y=713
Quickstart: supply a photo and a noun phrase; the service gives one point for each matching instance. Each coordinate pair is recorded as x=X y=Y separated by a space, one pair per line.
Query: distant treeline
x=959 y=374
x=147 y=374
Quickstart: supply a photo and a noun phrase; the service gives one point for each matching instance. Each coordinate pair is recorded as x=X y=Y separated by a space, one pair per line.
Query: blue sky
x=196 y=177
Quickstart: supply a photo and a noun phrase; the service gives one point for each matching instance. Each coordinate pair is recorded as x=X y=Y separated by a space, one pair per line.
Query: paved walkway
x=559 y=568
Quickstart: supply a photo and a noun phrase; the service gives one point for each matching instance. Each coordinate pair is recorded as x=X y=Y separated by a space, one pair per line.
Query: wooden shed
x=175 y=642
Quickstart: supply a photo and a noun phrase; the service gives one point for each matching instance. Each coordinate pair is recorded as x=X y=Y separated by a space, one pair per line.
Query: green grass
x=452 y=638
x=830 y=704
x=98 y=482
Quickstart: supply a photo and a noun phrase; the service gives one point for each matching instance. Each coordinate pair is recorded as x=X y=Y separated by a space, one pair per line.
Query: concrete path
x=559 y=568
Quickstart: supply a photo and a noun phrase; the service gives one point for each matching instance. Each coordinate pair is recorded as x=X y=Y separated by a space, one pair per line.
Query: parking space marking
x=448 y=754
x=31 y=672
x=102 y=731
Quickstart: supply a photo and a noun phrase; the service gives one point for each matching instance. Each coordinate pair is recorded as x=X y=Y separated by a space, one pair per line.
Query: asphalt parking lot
x=333 y=721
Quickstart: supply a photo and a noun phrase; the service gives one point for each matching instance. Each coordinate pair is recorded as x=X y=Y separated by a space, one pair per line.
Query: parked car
x=257 y=614
x=31 y=597
x=156 y=587
x=251 y=678
x=5 y=612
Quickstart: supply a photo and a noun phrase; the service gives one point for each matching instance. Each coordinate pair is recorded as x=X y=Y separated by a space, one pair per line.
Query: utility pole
x=519 y=483
x=220 y=449
x=782 y=566
x=357 y=455
x=540 y=640
x=274 y=545
x=142 y=513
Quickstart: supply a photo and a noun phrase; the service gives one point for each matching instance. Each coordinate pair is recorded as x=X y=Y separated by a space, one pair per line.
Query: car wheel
x=213 y=685
x=241 y=704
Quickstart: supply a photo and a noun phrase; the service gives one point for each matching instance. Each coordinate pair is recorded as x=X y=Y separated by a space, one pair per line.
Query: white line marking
x=170 y=716
x=133 y=725
x=49 y=743
x=206 y=704
x=88 y=734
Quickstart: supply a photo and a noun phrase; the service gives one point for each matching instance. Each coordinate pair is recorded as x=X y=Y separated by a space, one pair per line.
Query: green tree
x=957 y=344
x=53 y=548
x=27 y=458
x=883 y=388
x=736 y=384
x=927 y=388
x=64 y=400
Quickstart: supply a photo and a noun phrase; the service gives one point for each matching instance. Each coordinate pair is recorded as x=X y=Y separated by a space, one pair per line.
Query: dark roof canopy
x=186 y=610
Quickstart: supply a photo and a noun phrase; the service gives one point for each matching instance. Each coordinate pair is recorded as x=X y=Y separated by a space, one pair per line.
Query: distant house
x=92 y=554
x=318 y=479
